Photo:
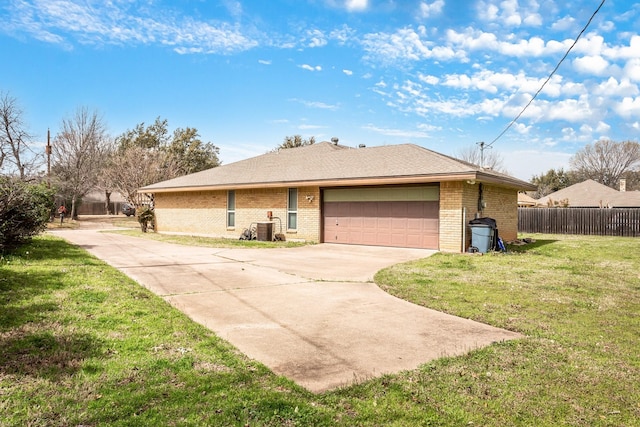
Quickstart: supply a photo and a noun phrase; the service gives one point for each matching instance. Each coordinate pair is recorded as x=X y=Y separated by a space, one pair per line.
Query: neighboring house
x=591 y=194
x=395 y=195
x=526 y=201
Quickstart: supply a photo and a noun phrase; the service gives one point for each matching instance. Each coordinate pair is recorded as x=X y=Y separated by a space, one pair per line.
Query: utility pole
x=483 y=147
x=48 y=151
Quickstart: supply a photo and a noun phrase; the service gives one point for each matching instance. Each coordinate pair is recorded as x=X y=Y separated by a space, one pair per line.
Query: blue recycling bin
x=482 y=237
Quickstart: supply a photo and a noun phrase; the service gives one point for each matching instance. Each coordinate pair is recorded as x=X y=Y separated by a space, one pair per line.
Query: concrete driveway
x=311 y=314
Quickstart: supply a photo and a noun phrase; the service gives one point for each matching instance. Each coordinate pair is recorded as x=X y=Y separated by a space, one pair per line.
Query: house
x=592 y=194
x=526 y=201
x=395 y=195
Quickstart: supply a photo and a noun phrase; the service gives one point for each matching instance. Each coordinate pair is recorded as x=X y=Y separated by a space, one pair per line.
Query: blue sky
x=443 y=74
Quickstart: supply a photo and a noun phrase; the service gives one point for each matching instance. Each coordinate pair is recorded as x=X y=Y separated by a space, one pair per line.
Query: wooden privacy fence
x=586 y=221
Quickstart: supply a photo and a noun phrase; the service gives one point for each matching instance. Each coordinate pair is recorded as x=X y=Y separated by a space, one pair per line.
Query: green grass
x=212 y=242
x=81 y=344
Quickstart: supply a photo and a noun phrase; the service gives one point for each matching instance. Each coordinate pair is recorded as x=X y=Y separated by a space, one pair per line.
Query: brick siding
x=501 y=204
x=204 y=212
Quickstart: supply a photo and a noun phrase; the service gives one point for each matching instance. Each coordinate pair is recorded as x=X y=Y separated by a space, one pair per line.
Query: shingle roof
x=590 y=193
x=326 y=162
x=526 y=200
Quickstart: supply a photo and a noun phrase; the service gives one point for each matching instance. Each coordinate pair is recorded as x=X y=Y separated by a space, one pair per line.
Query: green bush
x=24 y=211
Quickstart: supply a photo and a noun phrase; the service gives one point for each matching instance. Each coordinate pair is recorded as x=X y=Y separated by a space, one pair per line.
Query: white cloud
x=629 y=107
x=630 y=52
x=615 y=88
x=564 y=24
x=316 y=104
x=475 y=40
x=119 y=23
x=264 y=61
x=571 y=110
x=316 y=38
x=431 y=80
x=310 y=127
x=596 y=65
x=427 y=10
x=342 y=35
x=406 y=133
x=631 y=70
x=603 y=127
x=406 y=44
x=356 y=5
x=348 y=72
x=310 y=67
x=510 y=13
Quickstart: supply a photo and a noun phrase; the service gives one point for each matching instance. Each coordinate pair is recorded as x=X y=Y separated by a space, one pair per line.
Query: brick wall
x=501 y=204
x=452 y=195
x=204 y=212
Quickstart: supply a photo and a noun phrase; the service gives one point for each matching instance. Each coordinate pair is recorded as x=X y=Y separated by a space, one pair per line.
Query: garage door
x=402 y=217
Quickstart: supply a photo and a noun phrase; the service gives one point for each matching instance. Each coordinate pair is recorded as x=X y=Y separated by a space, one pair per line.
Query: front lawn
x=84 y=345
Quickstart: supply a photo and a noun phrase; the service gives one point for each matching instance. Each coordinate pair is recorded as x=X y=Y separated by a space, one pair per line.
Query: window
x=292 y=209
x=231 y=208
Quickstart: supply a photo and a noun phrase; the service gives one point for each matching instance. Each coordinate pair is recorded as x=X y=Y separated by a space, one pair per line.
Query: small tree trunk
x=107 y=198
x=72 y=214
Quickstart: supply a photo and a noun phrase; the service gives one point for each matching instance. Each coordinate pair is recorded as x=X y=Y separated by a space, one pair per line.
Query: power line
x=548 y=78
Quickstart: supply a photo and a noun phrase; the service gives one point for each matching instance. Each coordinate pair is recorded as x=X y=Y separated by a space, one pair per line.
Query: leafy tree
x=79 y=154
x=607 y=161
x=489 y=159
x=189 y=153
x=16 y=156
x=295 y=141
x=24 y=211
x=152 y=137
x=553 y=181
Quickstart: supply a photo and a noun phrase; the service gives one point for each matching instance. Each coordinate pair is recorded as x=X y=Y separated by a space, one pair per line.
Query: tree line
x=84 y=157
x=604 y=161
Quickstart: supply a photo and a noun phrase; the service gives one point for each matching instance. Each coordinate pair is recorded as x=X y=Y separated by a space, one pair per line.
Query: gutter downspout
x=464 y=228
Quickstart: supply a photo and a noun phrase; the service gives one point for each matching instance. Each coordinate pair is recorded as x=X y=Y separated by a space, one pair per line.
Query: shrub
x=146 y=218
x=24 y=211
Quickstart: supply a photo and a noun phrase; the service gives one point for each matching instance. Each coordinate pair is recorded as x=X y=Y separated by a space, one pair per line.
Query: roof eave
x=349 y=182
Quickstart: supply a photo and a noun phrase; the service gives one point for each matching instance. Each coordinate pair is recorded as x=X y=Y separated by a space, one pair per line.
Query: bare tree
x=78 y=154
x=491 y=159
x=607 y=161
x=147 y=154
x=16 y=156
x=135 y=167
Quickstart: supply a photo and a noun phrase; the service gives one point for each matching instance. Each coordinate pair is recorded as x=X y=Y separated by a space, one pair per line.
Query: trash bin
x=482 y=237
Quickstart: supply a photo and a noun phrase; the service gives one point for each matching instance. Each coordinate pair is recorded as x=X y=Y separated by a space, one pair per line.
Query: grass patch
x=211 y=242
x=84 y=345
x=577 y=299
x=68 y=224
